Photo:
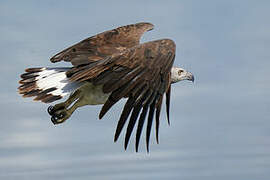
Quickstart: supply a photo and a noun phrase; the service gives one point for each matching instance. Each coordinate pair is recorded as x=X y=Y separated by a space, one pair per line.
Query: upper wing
x=104 y=44
x=142 y=74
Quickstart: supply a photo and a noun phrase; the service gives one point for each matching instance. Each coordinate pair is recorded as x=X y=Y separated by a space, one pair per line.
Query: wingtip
x=169 y=123
x=157 y=139
x=53 y=60
x=125 y=146
x=147 y=25
x=147 y=149
x=101 y=114
x=126 y=142
x=115 y=138
x=137 y=143
x=57 y=57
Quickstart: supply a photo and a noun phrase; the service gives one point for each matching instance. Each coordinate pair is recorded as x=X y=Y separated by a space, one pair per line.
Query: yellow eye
x=180 y=71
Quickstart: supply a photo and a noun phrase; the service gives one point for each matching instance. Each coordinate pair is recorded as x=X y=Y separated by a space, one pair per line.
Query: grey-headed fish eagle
x=106 y=68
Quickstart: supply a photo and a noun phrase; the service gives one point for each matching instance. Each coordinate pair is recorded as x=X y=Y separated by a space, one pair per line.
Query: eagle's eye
x=180 y=71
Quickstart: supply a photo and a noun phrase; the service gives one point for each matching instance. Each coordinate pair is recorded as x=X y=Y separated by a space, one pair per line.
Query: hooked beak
x=190 y=77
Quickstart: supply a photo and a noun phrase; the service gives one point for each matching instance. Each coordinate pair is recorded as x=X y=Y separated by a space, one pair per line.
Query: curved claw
x=54 y=119
x=51 y=110
x=58 y=117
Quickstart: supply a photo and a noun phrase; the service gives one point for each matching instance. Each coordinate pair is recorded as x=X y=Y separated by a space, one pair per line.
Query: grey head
x=180 y=74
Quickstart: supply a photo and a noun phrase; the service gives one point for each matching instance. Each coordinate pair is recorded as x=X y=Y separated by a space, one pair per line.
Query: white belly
x=93 y=95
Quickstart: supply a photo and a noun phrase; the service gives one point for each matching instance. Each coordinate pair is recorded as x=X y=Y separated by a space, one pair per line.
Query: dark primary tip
x=101 y=114
x=99 y=117
x=157 y=139
x=126 y=146
x=115 y=138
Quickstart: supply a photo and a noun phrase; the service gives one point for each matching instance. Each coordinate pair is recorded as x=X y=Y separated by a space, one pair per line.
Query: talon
x=54 y=119
x=61 y=115
x=51 y=110
x=58 y=117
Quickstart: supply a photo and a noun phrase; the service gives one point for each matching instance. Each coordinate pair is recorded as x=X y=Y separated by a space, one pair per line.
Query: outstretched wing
x=104 y=44
x=141 y=74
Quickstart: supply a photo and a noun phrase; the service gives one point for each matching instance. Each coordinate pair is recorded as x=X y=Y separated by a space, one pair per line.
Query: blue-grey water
x=220 y=126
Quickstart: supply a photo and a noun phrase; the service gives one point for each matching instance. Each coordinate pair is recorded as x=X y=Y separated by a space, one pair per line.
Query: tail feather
x=46 y=84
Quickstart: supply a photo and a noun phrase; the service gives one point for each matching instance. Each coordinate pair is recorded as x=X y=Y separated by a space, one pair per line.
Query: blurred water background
x=220 y=126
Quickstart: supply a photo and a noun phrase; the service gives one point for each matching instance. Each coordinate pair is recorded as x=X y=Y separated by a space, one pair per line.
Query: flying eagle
x=106 y=68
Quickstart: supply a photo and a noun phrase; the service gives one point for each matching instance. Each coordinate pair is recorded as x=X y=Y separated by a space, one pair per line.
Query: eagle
x=106 y=68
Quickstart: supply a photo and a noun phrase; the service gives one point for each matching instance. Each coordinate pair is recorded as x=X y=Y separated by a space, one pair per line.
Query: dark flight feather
x=168 y=99
x=134 y=70
x=140 y=126
x=134 y=116
x=149 y=124
x=158 y=109
x=125 y=113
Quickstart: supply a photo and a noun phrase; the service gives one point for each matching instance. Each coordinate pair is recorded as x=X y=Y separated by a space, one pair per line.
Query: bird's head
x=180 y=74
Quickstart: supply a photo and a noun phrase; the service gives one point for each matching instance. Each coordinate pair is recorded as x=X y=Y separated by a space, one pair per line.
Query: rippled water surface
x=219 y=125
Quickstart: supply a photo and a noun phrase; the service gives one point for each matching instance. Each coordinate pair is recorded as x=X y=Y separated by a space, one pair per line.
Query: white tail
x=47 y=84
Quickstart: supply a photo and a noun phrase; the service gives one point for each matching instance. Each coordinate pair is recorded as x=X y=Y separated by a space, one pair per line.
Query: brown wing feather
x=168 y=99
x=158 y=109
x=144 y=76
x=104 y=44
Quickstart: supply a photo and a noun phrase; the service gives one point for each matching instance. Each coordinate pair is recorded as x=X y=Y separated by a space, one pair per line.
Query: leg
x=73 y=97
x=62 y=115
x=60 y=112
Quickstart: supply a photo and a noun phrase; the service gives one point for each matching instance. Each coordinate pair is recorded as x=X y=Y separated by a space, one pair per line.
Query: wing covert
x=105 y=44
